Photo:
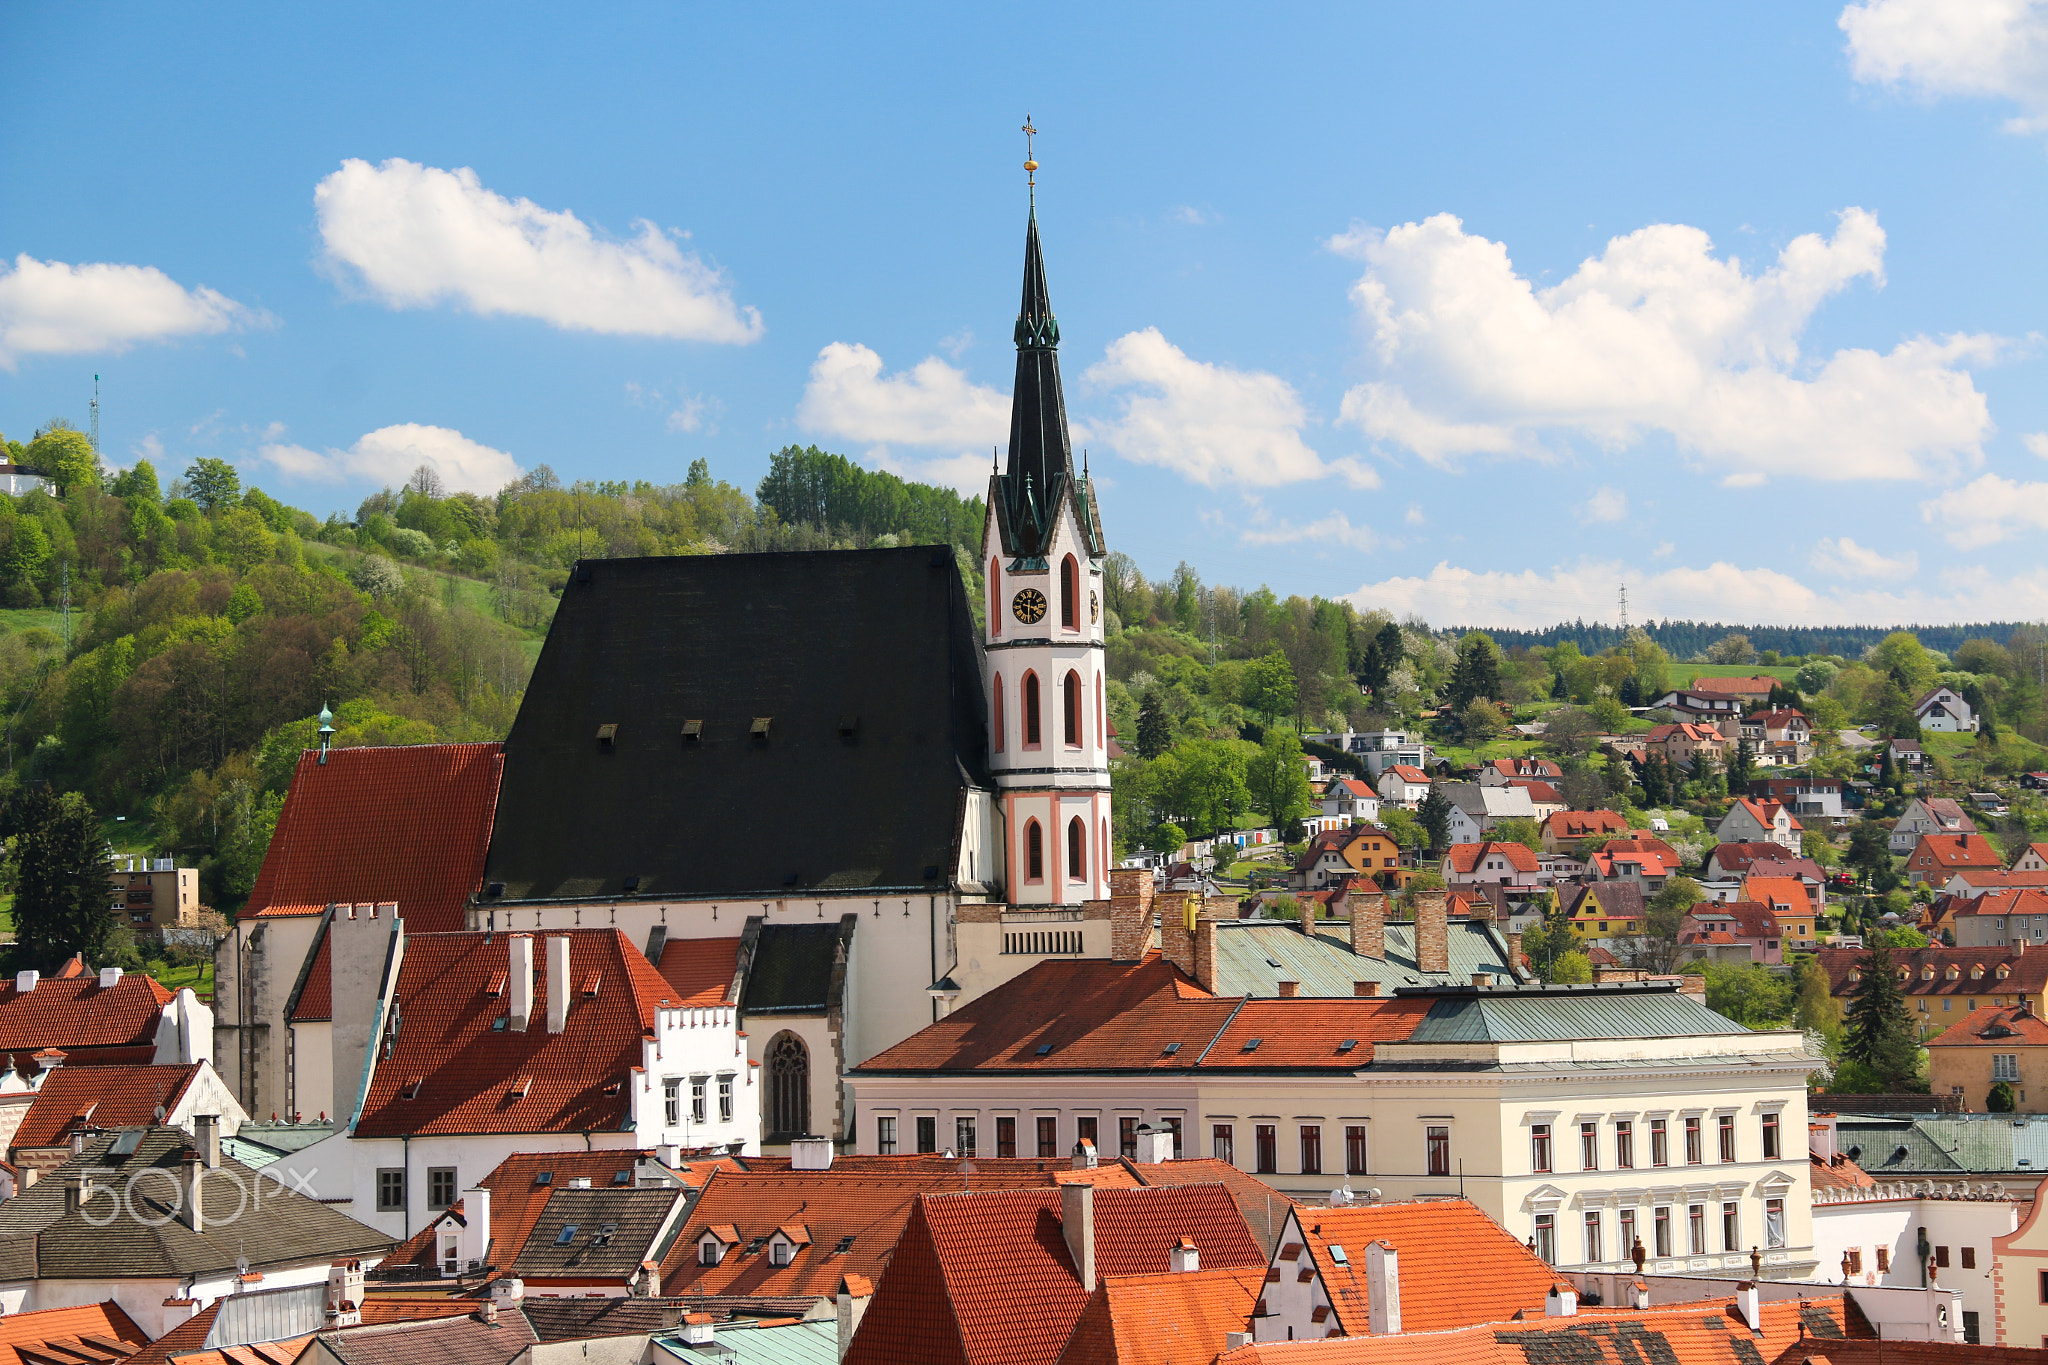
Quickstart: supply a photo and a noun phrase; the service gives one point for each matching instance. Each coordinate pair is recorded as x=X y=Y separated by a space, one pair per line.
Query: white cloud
x=1844 y=558
x=389 y=455
x=416 y=235
x=1192 y=216
x=1208 y=423
x=2037 y=441
x=1335 y=529
x=1988 y=48
x=1654 y=335
x=50 y=308
x=1987 y=510
x=1607 y=504
x=930 y=404
x=1453 y=596
x=1413 y=516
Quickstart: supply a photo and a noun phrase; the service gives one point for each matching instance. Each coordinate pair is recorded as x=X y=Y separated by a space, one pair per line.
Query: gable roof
x=1581 y=824
x=64 y=1336
x=1615 y=900
x=1946 y=810
x=1764 y=811
x=404 y=823
x=1786 y=894
x=987 y=1277
x=1781 y=718
x=103 y=1097
x=519 y=1194
x=1738 y=855
x=1955 y=850
x=700 y=970
x=466 y=1067
x=434 y=1341
x=1525 y=767
x=1999 y=879
x=1439 y=1243
x=1727 y=686
x=2027 y=972
x=1994 y=1026
x=1465 y=859
x=1164 y=1319
x=648 y=645
x=1407 y=772
x=609 y=1232
x=81 y=1018
x=1541 y=792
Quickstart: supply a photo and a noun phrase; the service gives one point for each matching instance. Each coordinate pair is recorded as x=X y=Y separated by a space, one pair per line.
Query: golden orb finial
x=1030 y=162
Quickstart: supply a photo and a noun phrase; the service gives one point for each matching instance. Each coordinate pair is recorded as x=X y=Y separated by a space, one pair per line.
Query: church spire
x=1039 y=447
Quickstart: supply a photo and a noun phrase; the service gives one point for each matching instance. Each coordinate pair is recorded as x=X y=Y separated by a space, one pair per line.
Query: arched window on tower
x=1104 y=846
x=1070 y=594
x=996 y=717
x=1071 y=704
x=1077 y=850
x=1034 y=852
x=1031 y=711
x=1101 y=730
x=789 y=1085
x=995 y=596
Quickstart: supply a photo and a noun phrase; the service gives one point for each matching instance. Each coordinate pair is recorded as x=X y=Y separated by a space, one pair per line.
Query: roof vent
x=520 y=1087
x=412 y=1087
x=693 y=731
x=759 y=729
x=607 y=735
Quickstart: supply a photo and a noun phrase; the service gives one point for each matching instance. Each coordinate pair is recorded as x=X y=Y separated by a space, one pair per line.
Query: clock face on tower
x=1029 y=606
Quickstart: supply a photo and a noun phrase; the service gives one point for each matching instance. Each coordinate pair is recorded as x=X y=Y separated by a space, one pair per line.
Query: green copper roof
x=1325 y=965
x=1537 y=1018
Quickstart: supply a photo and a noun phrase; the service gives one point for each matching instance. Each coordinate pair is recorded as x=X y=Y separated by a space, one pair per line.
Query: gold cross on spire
x=1030 y=164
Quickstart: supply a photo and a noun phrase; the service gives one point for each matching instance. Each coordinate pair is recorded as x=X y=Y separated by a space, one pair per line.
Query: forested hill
x=1685 y=639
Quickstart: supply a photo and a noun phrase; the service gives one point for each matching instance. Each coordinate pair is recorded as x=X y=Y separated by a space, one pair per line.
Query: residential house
x=1943 y=983
x=1738 y=931
x=1976 y=881
x=494 y=1334
x=1507 y=864
x=163 y=1227
x=155 y=895
x=1499 y=772
x=1381 y=749
x=2031 y=858
x=1643 y=860
x=72 y=1101
x=1005 y=1275
x=1908 y=755
x=1786 y=726
x=1351 y=799
x=1944 y=711
x=1789 y=903
x=1476 y=809
x=1603 y=912
x=469 y=1047
x=1753 y=691
x=101 y=1018
x=1403 y=785
x=1547 y=799
x=1707 y=708
x=601 y=1240
x=1737 y=858
x=1568 y=1098
x=1938 y=857
x=1992 y=1045
x=1338 y=853
x=1929 y=815
x=1564 y=831
x=2003 y=917
x=2019 y=1260
x=1682 y=743
x=1811 y=799
x=1756 y=820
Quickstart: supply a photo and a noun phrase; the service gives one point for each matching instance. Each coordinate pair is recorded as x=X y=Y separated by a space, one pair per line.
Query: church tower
x=1042 y=554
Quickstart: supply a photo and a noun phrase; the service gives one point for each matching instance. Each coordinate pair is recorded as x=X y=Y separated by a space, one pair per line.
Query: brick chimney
x=1365 y=990
x=1205 y=953
x=1077 y=1224
x=1289 y=989
x=1176 y=937
x=1369 y=923
x=1130 y=913
x=1432 y=932
x=1515 y=954
x=1481 y=908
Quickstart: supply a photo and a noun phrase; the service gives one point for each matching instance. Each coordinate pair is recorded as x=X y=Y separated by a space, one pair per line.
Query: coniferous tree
x=1880 y=1034
x=1476 y=672
x=1435 y=814
x=63 y=900
x=1155 y=732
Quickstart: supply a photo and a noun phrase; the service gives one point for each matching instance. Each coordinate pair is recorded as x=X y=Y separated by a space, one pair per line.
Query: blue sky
x=1476 y=312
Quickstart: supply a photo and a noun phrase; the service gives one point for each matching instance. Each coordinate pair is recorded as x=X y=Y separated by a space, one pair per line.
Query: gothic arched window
x=1077 y=851
x=997 y=724
x=1034 y=852
x=1070 y=594
x=1030 y=710
x=1071 y=705
x=1104 y=846
x=789 y=1085
x=995 y=596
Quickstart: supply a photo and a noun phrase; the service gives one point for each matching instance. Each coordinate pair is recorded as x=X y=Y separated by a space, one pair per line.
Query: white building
x=1944 y=710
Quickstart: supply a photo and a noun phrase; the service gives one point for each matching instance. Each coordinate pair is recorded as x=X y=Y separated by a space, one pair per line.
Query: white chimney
x=1561 y=1302
x=1639 y=1294
x=1154 y=1145
x=206 y=1133
x=519 y=981
x=345 y=1293
x=699 y=1329
x=810 y=1154
x=26 y=981
x=109 y=976
x=1084 y=1155
x=1382 y=1289
x=191 y=1170
x=474 y=1244
x=1236 y=1341
x=1184 y=1258
x=1747 y=1303
x=558 y=983
x=1077 y=1224
x=507 y=1291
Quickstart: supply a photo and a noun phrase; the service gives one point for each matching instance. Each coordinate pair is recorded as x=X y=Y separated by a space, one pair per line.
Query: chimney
x=1176 y=934
x=672 y=1317
x=50 y=1058
x=519 y=981
x=1515 y=954
x=1205 y=953
x=1747 y=1303
x=109 y=976
x=1561 y=1302
x=1077 y=1222
x=191 y=1170
x=856 y=1292
x=1369 y=923
x=699 y=1329
x=1154 y=1145
x=558 y=983
x=473 y=1245
x=206 y=1128
x=507 y=1291
x=1130 y=913
x=1382 y=1289
x=26 y=981
x=1183 y=1258
x=810 y=1154
x=1482 y=979
x=1481 y=908
x=1084 y=1155
x=487 y=1313
x=74 y=1193
x=1365 y=990
x=1432 y=933
x=1289 y=989
x=345 y=1293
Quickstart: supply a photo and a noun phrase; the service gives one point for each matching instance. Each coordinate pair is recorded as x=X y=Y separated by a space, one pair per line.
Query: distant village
x=777 y=991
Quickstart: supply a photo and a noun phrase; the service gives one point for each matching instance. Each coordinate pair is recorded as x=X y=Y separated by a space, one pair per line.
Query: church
x=806 y=779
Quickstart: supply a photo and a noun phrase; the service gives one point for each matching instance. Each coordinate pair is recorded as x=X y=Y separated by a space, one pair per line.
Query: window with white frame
x=671 y=1101
x=2005 y=1066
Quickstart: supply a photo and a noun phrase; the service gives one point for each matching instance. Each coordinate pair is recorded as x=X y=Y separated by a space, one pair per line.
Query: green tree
x=1155 y=731
x=1571 y=969
x=139 y=482
x=1815 y=1007
x=1732 y=648
x=1903 y=656
x=1880 y=1034
x=1748 y=994
x=1476 y=672
x=1435 y=815
x=1199 y=783
x=1480 y=720
x=1269 y=686
x=1656 y=948
x=214 y=483
x=66 y=456
x=1870 y=854
x=1741 y=766
x=242 y=540
x=1519 y=830
x=1818 y=847
x=2000 y=1100
x=62 y=901
x=1278 y=778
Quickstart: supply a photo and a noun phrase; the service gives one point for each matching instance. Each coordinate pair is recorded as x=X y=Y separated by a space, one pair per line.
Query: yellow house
x=1605 y=909
x=2007 y=1043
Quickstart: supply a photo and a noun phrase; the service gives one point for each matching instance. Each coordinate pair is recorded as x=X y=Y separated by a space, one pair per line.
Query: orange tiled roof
x=75 y=1014
x=1163 y=1319
x=1541 y=792
x=1994 y=1026
x=518 y=1198
x=987 y=1277
x=102 y=1096
x=700 y=969
x=1783 y=893
x=466 y=1068
x=1408 y=772
x=406 y=823
x=1954 y=851
x=1269 y=1034
x=2001 y=879
x=378 y=1308
x=1466 y=859
x=95 y=1331
x=316 y=996
x=2024 y=900
x=1733 y=685
x=1439 y=1242
x=2026 y=973
x=1580 y=824
x=1839 y=1173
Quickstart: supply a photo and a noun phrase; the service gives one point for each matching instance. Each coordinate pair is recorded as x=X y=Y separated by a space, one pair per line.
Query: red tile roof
x=1466 y=859
x=435 y=1341
x=405 y=823
x=1525 y=767
x=1864 y=1351
x=1727 y=686
x=1582 y=824
x=1540 y=792
x=78 y=1016
x=467 y=1068
x=1352 y=785
x=1408 y=772
x=1785 y=894
x=1838 y=1173
x=1996 y=879
x=2026 y=972
x=1439 y=1242
x=1765 y=812
x=1945 y=851
x=987 y=1277
x=518 y=1199
x=2005 y=901
x=102 y=1330
x=1145 y=1017
x=316 y=996
x=1164 y=1319
x=1994 y=1026
x=700 y=969
x=101 y=1096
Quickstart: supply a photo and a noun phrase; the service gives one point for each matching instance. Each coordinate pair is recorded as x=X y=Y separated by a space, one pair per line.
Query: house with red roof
x=1492 y=862
x=462 y=1049
x=1547 y=799
x=1731 y=931
x=1941 y=983
x=1748 y=690
x=1754 y=819
x=404 y=824
x=1791 y=905
x=1641 y=859
x=72 y=1101
x=2031 y=858
x=103 y=1018
x=1564 y=831
x=1976 y=881
x=1351 y=799
x=1403 y=785
x=93 y=1332
x=2002 y=917
x=1992 y=1045
x=1936 y=858
x=1929 y=815
x=1684 y=742
x=1499 y=772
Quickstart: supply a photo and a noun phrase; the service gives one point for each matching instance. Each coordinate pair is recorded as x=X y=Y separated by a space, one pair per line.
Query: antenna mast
x=1624 y=609
x=95 y=414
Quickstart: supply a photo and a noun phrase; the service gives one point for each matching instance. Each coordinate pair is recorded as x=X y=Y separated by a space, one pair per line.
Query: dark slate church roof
x=865 y=668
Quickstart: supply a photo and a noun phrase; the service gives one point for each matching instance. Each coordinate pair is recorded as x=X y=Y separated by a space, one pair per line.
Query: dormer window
x=1977 y=973
x=780 y=1252
x=710 y=1251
